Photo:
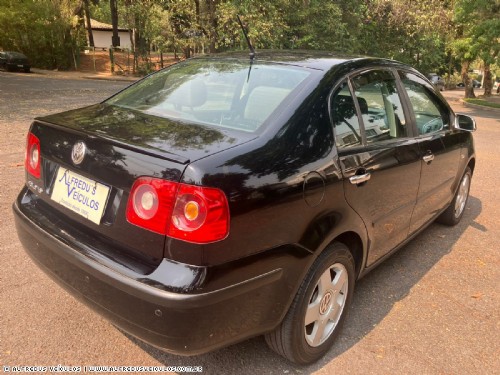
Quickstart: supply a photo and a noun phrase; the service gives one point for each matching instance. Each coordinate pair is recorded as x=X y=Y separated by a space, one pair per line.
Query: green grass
x=482 y=102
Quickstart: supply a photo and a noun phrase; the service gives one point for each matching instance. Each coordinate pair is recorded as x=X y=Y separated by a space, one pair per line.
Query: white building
x=103 y=32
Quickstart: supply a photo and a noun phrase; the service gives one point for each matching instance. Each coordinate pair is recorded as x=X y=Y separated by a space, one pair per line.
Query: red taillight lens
x=150 y=203
x=186 y=212
x=32 y=162
x=200 y=215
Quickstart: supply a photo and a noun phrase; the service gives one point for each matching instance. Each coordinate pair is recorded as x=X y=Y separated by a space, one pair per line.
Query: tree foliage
x=432 y=35
x=477 y=36
x=46 y=30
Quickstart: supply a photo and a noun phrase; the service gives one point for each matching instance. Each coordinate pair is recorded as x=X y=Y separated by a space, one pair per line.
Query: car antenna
x=252 y=50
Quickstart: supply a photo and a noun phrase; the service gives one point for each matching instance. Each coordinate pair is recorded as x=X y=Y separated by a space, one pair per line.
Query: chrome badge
x=78 y=152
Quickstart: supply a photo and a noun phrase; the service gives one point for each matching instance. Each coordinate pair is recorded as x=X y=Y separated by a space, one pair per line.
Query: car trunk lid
x=120 y=146
x=170 y=139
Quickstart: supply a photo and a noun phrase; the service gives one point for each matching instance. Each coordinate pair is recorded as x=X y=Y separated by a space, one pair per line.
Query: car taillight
x=32 y=162
x=150 y=203
x=186 y=212
x=200 y=215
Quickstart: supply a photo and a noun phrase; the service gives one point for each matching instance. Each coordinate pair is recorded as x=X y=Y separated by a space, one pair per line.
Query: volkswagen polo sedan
x=226 y=197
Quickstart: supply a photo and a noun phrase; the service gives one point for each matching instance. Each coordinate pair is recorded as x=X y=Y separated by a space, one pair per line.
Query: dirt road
x=433 y=308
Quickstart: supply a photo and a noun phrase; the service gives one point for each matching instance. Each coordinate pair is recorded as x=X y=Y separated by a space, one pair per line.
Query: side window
x=430 y=114
x=380 y=105
x=345 y=118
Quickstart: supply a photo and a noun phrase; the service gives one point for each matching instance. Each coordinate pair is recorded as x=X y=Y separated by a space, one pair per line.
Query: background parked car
x=496 y=87
x=14 y=61
x=475 y=83
x=437 y=81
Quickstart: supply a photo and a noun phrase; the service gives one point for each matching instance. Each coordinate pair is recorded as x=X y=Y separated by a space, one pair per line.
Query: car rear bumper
x=180 y=323
x=15 y=66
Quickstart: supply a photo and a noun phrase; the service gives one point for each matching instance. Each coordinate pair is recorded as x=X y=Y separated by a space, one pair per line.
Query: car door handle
x=359 y=179
x=428 y=158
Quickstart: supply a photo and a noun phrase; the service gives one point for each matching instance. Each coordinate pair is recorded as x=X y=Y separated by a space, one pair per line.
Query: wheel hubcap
x=326 y=305
x=462 y=194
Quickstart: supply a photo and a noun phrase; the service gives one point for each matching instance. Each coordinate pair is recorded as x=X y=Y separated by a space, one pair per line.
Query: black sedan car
x=226 y=197
x=475 y=83
x=11 y=61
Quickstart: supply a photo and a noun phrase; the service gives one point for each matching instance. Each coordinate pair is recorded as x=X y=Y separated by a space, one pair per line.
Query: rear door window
x=380 y=106
x=345 y=118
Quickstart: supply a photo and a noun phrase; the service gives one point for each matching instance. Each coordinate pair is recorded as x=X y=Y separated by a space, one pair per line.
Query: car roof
x=14 y=54
x=319 y=60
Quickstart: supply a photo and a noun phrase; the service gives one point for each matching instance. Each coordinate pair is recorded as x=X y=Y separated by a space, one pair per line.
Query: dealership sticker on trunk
x=82 y=195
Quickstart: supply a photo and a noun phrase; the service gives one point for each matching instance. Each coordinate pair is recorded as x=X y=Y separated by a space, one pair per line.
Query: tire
x=26 y=70
x=453 y=214
x=330 y=278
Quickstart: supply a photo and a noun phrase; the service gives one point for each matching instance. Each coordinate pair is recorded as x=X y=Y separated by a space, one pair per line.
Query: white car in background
x=437 y=81
x=496 y=87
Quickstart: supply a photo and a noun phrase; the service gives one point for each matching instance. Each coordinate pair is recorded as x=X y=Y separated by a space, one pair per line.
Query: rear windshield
x=16 y=55
x=226 y=94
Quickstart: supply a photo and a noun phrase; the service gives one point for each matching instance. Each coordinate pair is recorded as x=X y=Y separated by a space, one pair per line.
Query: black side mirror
x=465 y=122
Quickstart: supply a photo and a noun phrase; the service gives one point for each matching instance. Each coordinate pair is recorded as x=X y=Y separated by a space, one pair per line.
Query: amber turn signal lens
x=191 y=210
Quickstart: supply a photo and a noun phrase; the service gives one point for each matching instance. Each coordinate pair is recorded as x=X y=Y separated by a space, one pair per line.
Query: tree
x=90 y=35
x=47 y=31
x=113 y=6
x=315 y=25
x=410 y=31
x=477 y=36
x=428 y=34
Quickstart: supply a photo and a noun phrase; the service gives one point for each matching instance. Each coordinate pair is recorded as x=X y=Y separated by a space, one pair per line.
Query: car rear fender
x=345 y=226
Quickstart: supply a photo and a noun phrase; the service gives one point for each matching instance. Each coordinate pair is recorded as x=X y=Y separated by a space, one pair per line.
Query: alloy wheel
x=462 y=194
x=326 y=304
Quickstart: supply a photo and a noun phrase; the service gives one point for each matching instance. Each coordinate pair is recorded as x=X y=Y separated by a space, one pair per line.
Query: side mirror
x=465 y=122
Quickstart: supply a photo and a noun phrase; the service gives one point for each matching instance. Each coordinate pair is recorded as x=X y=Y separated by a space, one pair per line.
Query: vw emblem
x=325 y=303
x=78 y=152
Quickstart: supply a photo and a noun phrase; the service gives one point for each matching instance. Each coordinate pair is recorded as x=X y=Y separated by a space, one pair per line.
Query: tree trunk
x=469 y=90
x=140 y=40
x=131 y=34
x=212 y=24
x=197 y=10
x=113 y=7
x=133 y=49
x=487 y=81
x=89 y=27
x=450 y=67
